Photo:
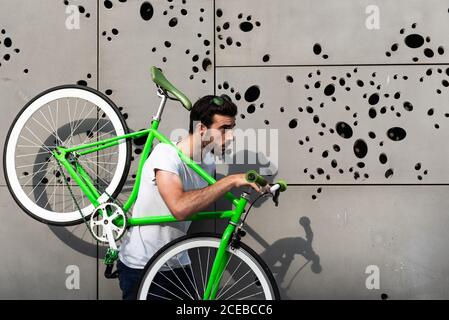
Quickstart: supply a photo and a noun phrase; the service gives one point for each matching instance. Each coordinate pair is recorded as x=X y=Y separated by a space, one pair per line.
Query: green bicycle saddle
x=159 y=79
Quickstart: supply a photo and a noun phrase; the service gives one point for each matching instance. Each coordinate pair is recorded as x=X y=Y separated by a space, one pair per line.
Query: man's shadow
x=261 y=164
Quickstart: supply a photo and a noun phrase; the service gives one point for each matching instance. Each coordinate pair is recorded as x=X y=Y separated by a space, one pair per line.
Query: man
x=169 y=186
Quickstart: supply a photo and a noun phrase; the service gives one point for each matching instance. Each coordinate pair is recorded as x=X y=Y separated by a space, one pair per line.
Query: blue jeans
x=169 y=283
x=129 y=280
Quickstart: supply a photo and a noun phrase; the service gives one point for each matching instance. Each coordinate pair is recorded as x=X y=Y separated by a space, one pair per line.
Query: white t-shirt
x=141 y=242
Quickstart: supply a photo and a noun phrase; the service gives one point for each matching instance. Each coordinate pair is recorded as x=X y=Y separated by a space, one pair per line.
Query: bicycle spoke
x=243 y=288
x=82 y=196
x=231 y=277
x=37 y=200
x=252 y=295
x=167 y=290
x=54 y=202
x=105 y=133
x=196 y=286
x=54 y=123
x=80 y=123
x=45 y=128
x=87 y=167
x=37 y=145
x=52 y=196
x=101 y=167
x=31 y=154
x=196 y=289
x=201 y=270
x=227 y=263
x=187 y=291
x=88 y=138
x=46 y=120
x=104 y=162
x=75 y=126
x=156 y=295
x=34 y=173
x=70 y=120
x=90 y=131
x=57 y=109
x=207 y=269
x=30 y=165
x=237 y=282
x=32 y=176
x=101 y=155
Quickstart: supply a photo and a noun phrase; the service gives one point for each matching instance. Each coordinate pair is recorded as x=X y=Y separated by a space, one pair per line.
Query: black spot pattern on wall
x=251 y=96
x=110 y=35
x=146 y=10
x=85 y=82
x=8 y=49
x=322 y=93
x=319 y=191
x=82 y=10
x=420 y=171
x=200 y=60
x=359 y=142
x=419 y=45
x=442 y=76
x=266 y=58
x=245 y=24
x=317 y=50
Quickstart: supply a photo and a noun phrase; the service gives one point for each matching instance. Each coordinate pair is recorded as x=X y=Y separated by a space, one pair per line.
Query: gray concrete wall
x=303 y=67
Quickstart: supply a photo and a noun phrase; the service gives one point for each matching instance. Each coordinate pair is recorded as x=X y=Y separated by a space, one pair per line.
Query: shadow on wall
x=235 y=168
x=279 y=255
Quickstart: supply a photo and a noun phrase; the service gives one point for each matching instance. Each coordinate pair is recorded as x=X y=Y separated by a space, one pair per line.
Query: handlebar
x=253 y=177
x=275 y=189
x=281 y=185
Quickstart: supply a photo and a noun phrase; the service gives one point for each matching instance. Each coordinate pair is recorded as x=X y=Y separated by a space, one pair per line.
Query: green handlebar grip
x=254 y=177
x=283 y=185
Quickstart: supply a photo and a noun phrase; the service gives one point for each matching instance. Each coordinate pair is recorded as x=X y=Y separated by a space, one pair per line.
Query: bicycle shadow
x=279 y=255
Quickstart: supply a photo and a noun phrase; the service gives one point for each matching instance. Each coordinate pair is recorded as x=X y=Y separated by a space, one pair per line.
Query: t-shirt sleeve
x=165 y=157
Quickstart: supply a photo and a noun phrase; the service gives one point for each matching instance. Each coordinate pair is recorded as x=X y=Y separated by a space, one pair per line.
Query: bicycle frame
x=83 y=180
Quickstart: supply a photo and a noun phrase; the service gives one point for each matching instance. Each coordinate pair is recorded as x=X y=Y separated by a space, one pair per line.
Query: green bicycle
x=67 y=156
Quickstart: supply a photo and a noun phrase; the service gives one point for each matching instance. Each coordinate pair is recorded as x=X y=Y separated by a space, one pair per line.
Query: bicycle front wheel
x=66 y=116
x=181 y=269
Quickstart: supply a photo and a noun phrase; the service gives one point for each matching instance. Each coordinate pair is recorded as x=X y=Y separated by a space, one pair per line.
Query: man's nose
x=229 y=136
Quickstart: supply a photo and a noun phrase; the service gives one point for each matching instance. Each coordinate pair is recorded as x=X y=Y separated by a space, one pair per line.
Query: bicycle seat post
x=163 y=96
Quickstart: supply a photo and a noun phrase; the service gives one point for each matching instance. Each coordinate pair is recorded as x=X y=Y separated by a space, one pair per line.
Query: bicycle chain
x=76 y=203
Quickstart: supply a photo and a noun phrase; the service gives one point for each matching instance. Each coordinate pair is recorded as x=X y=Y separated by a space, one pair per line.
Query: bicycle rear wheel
x=180 y=271
x=64 y=116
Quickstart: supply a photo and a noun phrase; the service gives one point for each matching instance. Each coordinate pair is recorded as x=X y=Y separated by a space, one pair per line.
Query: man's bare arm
x=182 y=203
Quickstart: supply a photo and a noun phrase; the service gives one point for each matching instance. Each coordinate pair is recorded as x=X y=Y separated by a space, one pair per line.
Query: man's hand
x=240 y=181
x=182 y=203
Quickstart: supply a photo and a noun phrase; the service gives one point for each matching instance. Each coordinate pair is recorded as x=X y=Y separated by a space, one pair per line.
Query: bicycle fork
x=221 y=259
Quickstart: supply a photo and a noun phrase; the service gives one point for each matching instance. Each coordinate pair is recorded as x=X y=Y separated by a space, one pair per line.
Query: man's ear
x=201 y=128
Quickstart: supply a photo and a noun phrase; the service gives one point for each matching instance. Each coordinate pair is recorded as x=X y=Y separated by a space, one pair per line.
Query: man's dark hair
x=206 y=107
